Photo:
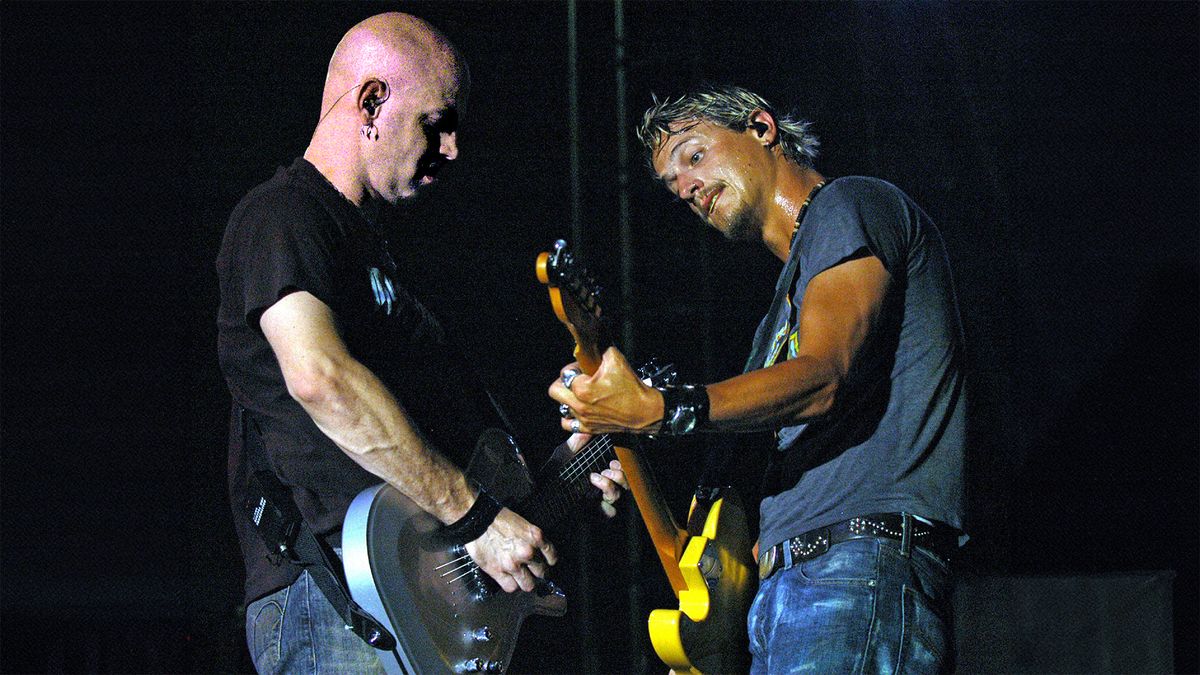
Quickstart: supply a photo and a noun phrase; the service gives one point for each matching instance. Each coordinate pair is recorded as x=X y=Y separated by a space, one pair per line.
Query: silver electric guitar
x=446 y=614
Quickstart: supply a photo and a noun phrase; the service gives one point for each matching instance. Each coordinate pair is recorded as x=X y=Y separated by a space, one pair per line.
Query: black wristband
x=476 y=520
x=685 y=409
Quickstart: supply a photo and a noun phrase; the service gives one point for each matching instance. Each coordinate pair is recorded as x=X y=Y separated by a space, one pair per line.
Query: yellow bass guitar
x=709 y=564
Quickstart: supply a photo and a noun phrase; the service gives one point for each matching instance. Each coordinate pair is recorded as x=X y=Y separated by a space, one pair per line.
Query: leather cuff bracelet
x=685 y=409
x=476 y=520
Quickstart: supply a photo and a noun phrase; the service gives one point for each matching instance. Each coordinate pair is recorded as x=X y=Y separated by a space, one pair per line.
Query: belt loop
x=906 y=534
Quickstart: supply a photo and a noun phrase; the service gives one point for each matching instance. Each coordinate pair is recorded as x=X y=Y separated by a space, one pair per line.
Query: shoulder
x=852 y=189
x=870 y=203
x=279 y=217
x=281 y=200
x=280 y=210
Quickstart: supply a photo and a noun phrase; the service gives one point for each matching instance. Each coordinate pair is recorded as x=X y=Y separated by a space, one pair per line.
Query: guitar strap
x=270 y=507
x=455 y=339
x=716 y=458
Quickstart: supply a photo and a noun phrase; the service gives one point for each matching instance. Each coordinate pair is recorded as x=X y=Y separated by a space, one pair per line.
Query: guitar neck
x=574 y=303
x=562 y=485
x=665 y=533
x=667 y=536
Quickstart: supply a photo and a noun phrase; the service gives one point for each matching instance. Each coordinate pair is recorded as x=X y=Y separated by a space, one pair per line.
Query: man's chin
x=744 y=227
x=411 y=192
x=420 y=185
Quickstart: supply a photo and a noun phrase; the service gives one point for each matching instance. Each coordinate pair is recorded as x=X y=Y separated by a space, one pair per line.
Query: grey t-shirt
x=895 y=441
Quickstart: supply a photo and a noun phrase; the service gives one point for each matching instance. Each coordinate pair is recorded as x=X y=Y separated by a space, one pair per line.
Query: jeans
x=296 y=630
x=862 y=607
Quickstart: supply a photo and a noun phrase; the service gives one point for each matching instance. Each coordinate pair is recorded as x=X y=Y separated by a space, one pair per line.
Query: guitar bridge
x=479 y=666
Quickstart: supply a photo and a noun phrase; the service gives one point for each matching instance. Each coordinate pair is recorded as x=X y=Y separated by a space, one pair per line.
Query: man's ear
x=371 y=95
x=762 y=125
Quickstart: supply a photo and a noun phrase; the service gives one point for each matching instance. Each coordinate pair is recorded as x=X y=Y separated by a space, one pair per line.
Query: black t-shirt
x=296 y=232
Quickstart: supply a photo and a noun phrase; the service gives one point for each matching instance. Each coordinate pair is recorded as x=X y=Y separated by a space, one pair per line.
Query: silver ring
x=564 y=410
x=569 y=377
x=574 y=426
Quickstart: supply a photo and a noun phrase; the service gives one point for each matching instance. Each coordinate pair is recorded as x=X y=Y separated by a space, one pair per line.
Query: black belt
x=940 y=540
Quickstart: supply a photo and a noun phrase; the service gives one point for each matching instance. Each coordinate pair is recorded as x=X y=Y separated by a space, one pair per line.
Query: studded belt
x=939 y=539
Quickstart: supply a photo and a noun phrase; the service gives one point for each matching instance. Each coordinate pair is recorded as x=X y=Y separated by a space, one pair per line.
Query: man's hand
x=613 y=399
x=611 y=481
x=513 y=552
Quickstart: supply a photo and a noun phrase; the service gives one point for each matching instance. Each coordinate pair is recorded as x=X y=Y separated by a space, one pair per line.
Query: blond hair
x=728 y=106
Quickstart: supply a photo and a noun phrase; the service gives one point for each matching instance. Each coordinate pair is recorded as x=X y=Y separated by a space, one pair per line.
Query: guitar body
x=707 y=634
x=447 y=615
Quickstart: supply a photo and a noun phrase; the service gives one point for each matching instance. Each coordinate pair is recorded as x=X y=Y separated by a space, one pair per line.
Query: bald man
x=336 y=370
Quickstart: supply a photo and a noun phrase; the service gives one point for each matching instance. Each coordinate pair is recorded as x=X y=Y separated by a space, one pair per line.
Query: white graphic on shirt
x=385 y=295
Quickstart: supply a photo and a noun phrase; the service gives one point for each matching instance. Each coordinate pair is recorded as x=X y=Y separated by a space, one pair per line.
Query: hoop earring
x=369 y=131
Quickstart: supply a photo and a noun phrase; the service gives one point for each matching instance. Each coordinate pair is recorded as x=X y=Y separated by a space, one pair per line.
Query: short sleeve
x=852 y=218
x=287 y=243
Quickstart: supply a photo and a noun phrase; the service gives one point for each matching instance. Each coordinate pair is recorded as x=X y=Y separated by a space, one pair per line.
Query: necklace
x=804 y=207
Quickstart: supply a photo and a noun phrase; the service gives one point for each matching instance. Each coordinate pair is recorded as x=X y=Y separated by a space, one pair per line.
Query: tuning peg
x=654 y=373
x=668 y=374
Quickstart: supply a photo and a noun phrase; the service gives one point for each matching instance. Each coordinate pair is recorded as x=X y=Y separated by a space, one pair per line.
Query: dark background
x=1055 y=145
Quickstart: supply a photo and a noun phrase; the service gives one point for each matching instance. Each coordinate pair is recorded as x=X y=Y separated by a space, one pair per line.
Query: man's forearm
x=354 y=409
x=791 y=392
x=840 y=309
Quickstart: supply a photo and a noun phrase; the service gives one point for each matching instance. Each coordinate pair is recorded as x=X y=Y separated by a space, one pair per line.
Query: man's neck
x=343 y=179
x=793 y=185
x=336 y=172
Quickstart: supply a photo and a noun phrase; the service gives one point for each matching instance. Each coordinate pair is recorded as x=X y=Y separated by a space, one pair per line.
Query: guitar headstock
x=576 y=301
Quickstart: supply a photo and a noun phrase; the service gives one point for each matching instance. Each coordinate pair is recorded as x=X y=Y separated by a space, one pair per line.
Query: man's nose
x=449 y=145
x=688 y=187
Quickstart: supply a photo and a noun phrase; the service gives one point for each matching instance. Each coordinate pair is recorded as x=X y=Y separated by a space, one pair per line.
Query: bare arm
x=841 y=307
x=354 y=409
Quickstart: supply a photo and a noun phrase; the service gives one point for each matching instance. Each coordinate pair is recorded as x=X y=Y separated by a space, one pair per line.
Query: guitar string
x=585 y=458
x=585 y=465
x=451 y=562
x=590 y=453
x=470 y=567
x=588 y=457
x=468 y=573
